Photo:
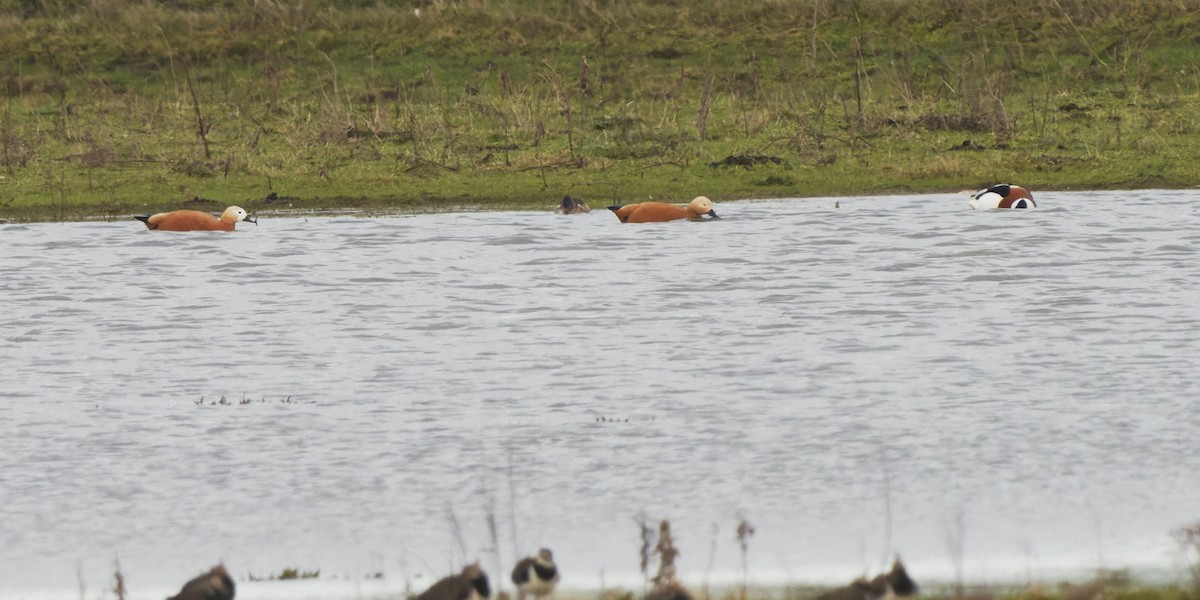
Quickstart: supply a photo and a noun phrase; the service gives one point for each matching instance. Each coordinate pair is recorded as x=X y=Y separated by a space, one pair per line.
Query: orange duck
x=194 y=220
x=652 y=212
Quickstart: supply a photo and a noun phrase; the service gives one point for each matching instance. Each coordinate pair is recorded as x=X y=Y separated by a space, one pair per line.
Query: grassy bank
x=111 y=107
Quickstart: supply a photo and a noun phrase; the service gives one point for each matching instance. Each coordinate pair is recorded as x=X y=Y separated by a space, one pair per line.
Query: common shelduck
x=1002 y=196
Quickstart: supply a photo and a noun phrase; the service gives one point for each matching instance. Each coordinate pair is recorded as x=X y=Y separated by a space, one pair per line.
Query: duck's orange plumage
x=652 y=212
x=194 y=220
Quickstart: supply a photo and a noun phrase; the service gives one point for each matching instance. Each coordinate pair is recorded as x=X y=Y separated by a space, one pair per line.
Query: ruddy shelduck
x=535 y=576
x=194 y=220
x=1002 y=196
x=652 y=212
x=213 y=585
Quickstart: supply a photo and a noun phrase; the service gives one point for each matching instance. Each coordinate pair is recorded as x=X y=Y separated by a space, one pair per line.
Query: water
x=1024 y=381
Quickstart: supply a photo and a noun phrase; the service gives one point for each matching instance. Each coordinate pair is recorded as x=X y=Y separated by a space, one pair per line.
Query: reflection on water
x=1026 y=379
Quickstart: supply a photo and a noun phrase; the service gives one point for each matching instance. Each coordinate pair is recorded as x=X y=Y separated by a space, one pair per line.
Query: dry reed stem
x=744 y=532
x=1188 y=538
x=202 y=124
x=494 y=535
x=956 y=543
x=118 y=581
x=667 y=553
x=705 y=106
x=647 y=536
x=456 y=529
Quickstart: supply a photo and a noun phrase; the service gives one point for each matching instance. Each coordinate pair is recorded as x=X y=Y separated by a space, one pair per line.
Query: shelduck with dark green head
x=1004 y=195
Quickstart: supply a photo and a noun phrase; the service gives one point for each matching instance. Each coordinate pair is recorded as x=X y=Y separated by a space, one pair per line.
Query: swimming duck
x=651 y=212
x=1002 y=196
x=194 y=220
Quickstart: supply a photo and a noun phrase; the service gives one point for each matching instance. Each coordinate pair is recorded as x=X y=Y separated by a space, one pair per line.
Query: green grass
x=287 y=574
x=113 y=107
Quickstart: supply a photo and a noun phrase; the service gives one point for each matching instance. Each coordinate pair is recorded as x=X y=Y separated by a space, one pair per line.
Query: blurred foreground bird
x=471 y=584
x=535 y=575
x=885 y=586
x=669 y=591
x=213 y=585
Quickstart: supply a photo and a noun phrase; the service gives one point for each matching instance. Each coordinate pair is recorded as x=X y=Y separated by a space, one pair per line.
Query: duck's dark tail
x=615 y=207
x=142 y=218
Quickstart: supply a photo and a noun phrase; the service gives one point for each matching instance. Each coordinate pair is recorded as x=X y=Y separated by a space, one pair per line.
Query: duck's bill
x=713 y=213
x=251 y=220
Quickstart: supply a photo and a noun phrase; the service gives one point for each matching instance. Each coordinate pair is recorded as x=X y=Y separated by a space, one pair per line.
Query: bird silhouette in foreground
x=885 y=586
x=535 y=575
x=670 y=590
x=194 y=220
x=471 y=584
x=653 y=212
x=213 y=585
x=571 y=205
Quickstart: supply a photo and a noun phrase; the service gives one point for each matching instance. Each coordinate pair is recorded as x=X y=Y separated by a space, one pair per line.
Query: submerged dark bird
x=571 y=205
x=213 y=585
x=471 y=584
x=535 y=575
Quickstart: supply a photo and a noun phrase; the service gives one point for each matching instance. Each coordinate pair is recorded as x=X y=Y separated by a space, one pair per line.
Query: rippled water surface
x=1027 y=381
